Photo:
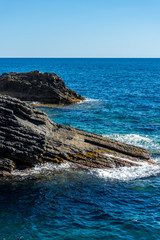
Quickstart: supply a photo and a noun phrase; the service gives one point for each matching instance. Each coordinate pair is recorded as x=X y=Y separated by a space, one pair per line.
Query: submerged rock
x=29 y=137
x=37 y=86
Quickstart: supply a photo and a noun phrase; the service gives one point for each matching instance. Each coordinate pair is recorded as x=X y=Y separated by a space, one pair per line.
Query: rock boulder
x=37 y=86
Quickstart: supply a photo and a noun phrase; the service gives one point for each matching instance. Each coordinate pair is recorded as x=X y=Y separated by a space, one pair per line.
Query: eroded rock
x=29 y=137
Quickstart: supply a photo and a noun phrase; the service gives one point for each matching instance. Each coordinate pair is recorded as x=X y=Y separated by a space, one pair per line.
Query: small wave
x=128 y=173
x=87 y=100
x=91 y=100
x=122 y=158
x=43 y=169
x=33 y=102
x=137 y=140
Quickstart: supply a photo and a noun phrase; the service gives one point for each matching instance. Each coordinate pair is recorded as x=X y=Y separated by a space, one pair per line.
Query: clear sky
x=79 y=28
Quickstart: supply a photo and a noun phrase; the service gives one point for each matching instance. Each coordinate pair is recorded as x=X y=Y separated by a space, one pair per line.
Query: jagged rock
x=37 y=86
x=29 y=137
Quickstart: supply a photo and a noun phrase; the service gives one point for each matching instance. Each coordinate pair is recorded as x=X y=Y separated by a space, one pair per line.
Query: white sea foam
x=134 y=172
x=128 y=173
x=122 y=158
x=119 y=174
x=33 y=102
x=87 y=100
x=36 y=103
x=91 y=100
x=137 y=140
x=45 y=168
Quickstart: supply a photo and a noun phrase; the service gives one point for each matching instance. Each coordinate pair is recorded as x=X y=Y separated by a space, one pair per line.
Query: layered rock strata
x=28 y=137
x=37 y=86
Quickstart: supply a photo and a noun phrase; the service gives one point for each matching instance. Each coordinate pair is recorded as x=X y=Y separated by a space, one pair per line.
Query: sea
x=64 y=203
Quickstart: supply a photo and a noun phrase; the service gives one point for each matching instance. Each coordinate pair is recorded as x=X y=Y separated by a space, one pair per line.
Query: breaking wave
x=128 y=173
x=43 y=169
x=89 y=100
x=119 y=174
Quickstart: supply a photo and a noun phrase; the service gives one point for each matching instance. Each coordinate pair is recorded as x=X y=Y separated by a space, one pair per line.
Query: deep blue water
x=123 y=103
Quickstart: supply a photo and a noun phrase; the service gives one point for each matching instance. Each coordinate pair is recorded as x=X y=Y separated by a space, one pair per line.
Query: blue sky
x=80 y=28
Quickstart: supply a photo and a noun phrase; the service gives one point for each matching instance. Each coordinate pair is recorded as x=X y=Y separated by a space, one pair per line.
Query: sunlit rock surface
x=29 y=137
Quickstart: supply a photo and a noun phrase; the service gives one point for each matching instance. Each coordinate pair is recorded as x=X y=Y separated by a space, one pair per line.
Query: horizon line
x=85 y=57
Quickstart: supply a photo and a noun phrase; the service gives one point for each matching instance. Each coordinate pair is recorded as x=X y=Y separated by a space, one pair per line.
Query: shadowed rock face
x=28 y=137
x=37 y=86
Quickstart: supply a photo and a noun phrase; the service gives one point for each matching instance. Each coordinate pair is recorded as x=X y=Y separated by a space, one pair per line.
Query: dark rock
x=28 y=137
x=37 y=86
x=6 y=164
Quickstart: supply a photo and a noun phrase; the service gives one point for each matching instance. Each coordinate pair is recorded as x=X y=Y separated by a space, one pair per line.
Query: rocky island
x=46 y=88
x=28 y=137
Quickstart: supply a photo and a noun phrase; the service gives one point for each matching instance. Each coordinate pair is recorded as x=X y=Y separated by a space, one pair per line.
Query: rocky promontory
x=28 y=137
x=37 y=86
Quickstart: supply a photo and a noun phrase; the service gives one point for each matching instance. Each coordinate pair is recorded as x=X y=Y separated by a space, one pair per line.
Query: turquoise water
x=123 y=103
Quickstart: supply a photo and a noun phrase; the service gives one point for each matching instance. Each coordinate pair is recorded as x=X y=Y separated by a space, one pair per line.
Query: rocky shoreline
x=28 y=137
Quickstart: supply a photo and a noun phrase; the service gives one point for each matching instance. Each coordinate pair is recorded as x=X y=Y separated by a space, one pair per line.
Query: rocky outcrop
x=29 y=137
x=37 y=86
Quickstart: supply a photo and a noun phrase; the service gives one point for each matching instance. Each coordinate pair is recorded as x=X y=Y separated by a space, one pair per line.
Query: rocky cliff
x=37 y=86
x=28 y=137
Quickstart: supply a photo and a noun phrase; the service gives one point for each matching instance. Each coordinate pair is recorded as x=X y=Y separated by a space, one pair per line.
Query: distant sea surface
x=123 y=103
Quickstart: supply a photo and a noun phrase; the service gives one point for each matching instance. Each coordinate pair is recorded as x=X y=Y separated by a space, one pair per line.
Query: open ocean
x=123 y=103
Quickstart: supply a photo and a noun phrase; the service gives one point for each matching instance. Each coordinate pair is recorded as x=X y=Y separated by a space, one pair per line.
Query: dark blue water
x=123 y=102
